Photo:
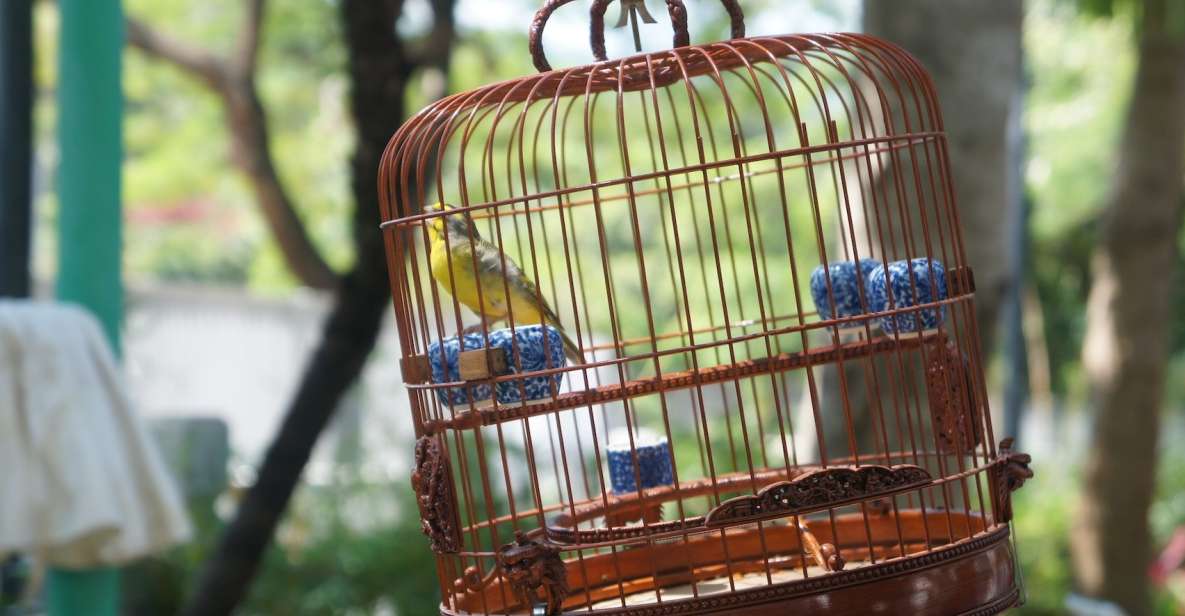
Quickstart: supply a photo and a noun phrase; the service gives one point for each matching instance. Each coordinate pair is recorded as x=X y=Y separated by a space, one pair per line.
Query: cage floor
x=712 y=586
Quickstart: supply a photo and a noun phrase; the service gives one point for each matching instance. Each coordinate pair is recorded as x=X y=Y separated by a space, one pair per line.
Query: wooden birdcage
x=772 y=397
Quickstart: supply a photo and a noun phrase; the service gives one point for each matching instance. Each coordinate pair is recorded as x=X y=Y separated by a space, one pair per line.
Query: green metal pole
x=90 y=108
x=90 y=114
x=78 y=592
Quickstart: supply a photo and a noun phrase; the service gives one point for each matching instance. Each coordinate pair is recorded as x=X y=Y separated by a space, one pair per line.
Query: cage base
x=974 y=575
x=858 y=590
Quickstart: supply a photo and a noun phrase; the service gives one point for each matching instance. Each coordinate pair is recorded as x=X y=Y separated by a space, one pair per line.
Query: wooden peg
x=415 y=369
x=960 y=281
x=481 y=364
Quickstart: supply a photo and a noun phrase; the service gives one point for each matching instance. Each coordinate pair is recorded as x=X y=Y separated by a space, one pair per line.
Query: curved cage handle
x=676 y=9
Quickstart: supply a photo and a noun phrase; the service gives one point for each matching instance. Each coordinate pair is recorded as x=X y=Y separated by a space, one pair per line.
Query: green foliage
x=1043 y=520
x=1044 y=511
x=350 y=549
x=1080 y=70
x=1042 y=528
x=1061 y=272
x=1173 y=19
x=1103 y=8
x=345 y=570
x=1168 y=512
x=179 y=169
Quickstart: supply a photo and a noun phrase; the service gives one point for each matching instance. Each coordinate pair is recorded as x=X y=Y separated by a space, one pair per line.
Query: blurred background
x=249 y=289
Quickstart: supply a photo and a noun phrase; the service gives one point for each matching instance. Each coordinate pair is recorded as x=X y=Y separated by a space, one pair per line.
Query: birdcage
x=692 y=332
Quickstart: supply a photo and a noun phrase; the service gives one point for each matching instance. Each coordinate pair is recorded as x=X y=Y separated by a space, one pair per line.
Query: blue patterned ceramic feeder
x=531 y=358
x=846 y=281
x=896 y=279
x=654 y=462
x=446 y=368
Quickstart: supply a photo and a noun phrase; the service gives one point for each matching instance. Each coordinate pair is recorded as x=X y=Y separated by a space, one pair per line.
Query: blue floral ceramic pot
x=846 y=281
x=654 y=463
x=532 y=357
x=442 y=358
x=901 y=278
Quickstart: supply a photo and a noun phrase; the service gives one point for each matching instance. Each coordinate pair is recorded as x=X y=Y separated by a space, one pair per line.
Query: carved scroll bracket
x=1008 y=475
x=535 y=572
x=432 y=482
x=951 y=393
x=816 y=490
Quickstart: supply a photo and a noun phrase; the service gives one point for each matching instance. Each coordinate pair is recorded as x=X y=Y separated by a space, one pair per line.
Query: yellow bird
x=494 y=304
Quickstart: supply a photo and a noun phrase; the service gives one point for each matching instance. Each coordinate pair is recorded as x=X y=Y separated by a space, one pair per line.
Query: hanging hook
x=630 y=11
x=675 y=8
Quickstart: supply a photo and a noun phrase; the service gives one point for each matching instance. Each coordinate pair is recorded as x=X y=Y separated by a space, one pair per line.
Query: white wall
x=225 y=353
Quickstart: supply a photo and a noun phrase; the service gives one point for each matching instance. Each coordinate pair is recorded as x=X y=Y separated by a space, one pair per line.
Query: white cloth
x=81 y=482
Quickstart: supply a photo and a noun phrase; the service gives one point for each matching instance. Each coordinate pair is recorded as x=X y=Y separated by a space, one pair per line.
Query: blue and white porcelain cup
x=654 y=462
x=443 y=360
x=847 y=280
x=899 y=282
x=532 y=357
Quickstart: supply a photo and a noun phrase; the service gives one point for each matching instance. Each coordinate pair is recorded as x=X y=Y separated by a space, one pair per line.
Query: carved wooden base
x=969 y=570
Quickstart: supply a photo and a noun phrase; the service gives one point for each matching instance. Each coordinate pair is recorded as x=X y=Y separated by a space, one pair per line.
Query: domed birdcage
x=693 y=332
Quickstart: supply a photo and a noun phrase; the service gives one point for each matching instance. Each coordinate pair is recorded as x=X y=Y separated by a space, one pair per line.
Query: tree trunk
x=378 y=67
x=252 y=153
x=973 y=52
x=1128 y=316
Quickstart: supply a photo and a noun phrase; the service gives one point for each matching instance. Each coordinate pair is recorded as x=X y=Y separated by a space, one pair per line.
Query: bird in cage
x=483 y=278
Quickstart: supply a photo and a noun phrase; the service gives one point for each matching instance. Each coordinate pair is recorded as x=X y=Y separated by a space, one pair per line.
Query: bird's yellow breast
x=491 y=303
